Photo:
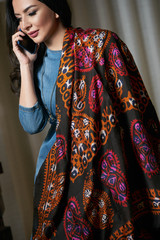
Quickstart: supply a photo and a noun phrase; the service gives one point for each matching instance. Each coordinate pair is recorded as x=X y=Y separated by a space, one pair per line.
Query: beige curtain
x=137 y=22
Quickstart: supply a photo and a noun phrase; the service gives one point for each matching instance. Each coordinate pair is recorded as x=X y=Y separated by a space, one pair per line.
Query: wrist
x=26 y=71
x=27 y=66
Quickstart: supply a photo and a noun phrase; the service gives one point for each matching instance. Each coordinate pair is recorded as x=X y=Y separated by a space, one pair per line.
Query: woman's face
x=35 y=19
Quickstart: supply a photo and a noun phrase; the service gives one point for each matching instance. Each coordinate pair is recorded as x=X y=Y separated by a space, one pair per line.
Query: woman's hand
x=28 y=95
x=24 y=57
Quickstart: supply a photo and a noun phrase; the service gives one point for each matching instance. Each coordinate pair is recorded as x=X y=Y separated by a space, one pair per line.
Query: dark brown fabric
x=101 y=179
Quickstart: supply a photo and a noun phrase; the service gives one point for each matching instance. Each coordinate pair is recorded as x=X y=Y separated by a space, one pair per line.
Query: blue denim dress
x=34 y=119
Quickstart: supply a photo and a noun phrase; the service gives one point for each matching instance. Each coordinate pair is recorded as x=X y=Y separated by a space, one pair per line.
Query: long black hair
x=60 y=7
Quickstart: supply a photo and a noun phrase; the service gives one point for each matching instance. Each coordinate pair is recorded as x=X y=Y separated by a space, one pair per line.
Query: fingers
x=18 y=36
x=22 y=55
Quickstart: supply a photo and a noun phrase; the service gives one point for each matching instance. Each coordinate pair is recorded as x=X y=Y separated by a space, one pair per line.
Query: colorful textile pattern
x=113 y=178
x=97 y=204
x=75 y=227
x=101 y=179
x=141 y=144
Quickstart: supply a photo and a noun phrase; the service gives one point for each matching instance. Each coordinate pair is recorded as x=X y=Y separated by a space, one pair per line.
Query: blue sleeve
x=33 y=119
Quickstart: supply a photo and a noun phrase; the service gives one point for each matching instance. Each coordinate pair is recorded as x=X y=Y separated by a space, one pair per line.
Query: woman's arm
x=32 y=115
x=33 y=119
x=26 y=60
x=28 y=96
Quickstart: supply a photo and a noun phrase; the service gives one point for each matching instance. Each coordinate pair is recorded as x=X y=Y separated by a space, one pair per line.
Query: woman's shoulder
x=95 y=34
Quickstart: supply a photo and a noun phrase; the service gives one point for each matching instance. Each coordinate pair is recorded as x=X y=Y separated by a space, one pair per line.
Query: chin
x=38 y=40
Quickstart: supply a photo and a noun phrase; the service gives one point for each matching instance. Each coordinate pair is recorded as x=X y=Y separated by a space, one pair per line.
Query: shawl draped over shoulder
x=101 y=178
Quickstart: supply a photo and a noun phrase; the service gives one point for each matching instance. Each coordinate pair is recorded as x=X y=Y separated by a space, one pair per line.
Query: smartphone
x=28 y=44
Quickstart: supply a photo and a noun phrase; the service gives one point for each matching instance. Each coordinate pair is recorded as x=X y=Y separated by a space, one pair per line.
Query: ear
x=56 y=15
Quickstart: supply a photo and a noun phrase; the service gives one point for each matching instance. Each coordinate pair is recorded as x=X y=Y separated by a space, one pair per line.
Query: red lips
x=33 y=34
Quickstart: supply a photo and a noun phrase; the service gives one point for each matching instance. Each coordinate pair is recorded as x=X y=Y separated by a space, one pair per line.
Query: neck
x=55 y=42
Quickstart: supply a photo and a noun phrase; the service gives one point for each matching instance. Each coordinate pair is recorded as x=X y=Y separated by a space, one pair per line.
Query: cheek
x=39 y=21
x=45 y=20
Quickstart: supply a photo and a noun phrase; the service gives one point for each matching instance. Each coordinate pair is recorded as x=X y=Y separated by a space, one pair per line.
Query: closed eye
x=32 y=13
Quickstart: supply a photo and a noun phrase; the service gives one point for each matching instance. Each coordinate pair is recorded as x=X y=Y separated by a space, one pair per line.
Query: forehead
x=20 y=5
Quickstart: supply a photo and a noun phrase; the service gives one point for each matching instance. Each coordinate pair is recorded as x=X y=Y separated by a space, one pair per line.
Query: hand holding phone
x=28 y=44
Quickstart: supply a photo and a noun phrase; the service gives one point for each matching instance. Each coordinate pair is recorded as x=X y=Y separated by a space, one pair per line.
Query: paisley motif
x=87 y=138
x=51 y=198
x=79 y=96
x=139 y=92
x=53 y=184
x=95 y=94
x=125 y=232
x=116 y=60
x=61 y=147
x=89 y=50
x=76 y=228
x=97 y=204
x=66 y=69
x=144 y=153
x=122 y=101
x=113 y=178
x=145 y=201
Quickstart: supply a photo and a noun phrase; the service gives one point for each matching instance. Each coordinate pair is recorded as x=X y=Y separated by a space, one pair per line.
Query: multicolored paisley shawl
x=101 y=178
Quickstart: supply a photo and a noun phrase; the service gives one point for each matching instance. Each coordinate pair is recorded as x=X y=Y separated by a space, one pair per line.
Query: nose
x=25 y=24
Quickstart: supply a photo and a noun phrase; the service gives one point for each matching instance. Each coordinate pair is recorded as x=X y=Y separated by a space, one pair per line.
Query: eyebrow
x=26 y=9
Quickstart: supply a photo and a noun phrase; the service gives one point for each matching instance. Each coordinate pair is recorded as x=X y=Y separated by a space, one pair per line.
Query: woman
x=97 y=174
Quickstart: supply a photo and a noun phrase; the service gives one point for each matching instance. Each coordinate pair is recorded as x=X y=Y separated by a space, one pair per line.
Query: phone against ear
x=28 y=44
